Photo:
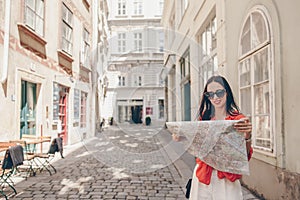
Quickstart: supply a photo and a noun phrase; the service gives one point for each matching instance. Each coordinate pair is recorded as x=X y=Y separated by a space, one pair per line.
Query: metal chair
x=29 y=162
x=13 y=157
x=44 y=158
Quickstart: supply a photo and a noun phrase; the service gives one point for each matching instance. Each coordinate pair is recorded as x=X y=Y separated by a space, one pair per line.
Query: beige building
x=47 y=86
x=253 y=44
x=134 y=87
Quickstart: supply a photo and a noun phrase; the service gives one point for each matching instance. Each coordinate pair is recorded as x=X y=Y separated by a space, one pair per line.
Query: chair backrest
x=25 y=137
x=13 y=157
x=17 y=155
x=19 y=142
x=45 y=138
x=23 y=144
x=56 y=146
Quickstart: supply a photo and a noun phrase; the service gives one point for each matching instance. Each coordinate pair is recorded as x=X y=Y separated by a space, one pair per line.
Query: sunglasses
x=219 y=93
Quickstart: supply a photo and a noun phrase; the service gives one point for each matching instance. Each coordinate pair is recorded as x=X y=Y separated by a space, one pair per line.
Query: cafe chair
x=44 y=159
x=12 y=159
x=56 y=146
x=29 y=162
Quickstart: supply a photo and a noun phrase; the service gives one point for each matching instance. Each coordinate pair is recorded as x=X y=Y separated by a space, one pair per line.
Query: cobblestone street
x=118 y=164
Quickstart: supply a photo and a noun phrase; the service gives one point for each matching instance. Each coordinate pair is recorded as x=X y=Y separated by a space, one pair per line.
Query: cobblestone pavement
x=118 y=164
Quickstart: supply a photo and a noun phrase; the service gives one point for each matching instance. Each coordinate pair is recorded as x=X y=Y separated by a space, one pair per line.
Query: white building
x=253 y=44
x=134 y=88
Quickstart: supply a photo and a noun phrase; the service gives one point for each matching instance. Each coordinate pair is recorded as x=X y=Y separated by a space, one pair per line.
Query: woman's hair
x=207 y=110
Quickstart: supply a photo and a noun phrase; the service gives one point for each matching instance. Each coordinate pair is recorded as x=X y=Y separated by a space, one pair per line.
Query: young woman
x=218 y=104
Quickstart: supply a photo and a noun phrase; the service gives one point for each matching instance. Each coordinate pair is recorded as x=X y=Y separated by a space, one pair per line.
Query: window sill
x=264 y=156
x=32 y=41
x=121 y=16
x=137 y=16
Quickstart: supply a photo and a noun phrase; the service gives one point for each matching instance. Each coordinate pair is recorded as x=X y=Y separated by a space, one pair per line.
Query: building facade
x=100 y=58
x=251 y=43
x=134 y=88
x=46 y=70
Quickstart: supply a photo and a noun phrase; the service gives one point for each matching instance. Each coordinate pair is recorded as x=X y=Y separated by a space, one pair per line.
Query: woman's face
x=217 y=95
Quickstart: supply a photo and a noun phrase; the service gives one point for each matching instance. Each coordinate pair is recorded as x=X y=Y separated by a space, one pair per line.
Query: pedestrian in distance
x=102 y=123
x=217 y=103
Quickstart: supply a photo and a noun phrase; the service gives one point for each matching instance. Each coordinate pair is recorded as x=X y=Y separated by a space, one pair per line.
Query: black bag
x=188 y=188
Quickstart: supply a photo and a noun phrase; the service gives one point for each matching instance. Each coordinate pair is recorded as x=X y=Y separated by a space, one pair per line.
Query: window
x=140 y=81
x=185 y=4
x=121 y=80
x=138 y=42
x=185 y=86
x=137 y=7
x=209 y=62
x=76 y=103
x=83 y=109
x=137 y=80
x=28 y=108
x=174 y=97
x=67 y=34
x=161 y=108
x=160 y=7
x=121 y=42
x=255 y=78
x=121 y=7
x=85 y=47
x=34 y=15
x=161 y=41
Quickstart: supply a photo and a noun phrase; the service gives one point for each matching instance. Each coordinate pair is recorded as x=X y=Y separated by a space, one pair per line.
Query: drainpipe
x=6 y=42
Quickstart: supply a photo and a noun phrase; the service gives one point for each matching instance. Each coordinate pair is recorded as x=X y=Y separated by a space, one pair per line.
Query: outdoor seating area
x=26 y=157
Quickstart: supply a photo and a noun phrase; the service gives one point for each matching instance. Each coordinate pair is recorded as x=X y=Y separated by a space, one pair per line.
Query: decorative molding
x=32 y=41
x=65 y=61
x=84 y=74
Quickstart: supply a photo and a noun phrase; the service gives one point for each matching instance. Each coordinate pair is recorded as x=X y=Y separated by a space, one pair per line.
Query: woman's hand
x=175 y=137
x=244 y=126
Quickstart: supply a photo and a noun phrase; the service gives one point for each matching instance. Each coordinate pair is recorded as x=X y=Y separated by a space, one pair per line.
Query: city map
x=214 y=142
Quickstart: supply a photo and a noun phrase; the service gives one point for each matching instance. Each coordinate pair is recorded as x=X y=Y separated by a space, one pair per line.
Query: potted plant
x=148 y=121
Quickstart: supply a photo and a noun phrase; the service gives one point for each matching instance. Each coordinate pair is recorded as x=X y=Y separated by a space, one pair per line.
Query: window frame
x=137 y=7
x=83 y=109
x=121 y=11
x=35 y=17
x=68 y=24
x=160 y=7
x=85 y=46
x=137 y=80
x=185 y=84
x=121 y=81
x=138 y=41
x=255 y=50
x=121 y=42
x=76 y=104
x=208 y=52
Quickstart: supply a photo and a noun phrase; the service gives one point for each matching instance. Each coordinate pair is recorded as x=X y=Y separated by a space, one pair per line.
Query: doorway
x=137 y=114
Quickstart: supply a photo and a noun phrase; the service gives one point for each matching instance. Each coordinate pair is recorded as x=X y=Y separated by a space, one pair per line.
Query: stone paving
x=129 y=162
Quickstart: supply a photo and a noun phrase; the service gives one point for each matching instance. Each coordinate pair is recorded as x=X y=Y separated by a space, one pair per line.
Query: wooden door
x=63 y=114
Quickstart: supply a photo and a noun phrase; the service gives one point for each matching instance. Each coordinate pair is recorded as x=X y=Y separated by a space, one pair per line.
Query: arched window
x=255 y=77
